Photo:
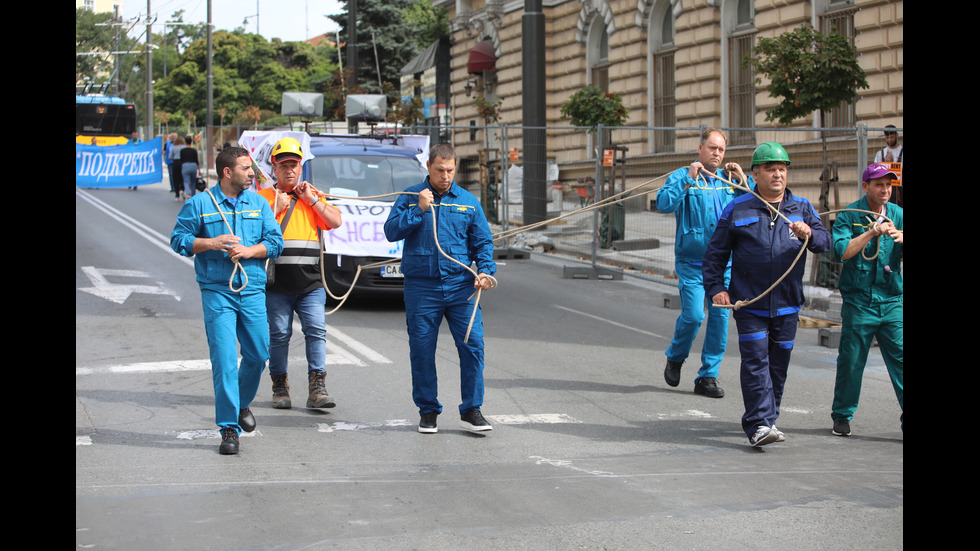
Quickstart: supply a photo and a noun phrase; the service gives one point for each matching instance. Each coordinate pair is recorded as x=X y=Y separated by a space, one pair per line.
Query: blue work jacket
x=696 y=209
x=463 y=233
x=251 y=220
x=762 y=250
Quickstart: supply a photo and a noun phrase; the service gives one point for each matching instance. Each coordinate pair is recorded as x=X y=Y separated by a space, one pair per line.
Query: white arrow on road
x=119 y=292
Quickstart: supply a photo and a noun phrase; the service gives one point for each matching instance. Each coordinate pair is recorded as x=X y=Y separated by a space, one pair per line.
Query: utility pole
x=149 y=73
x=206 y=150
x=535 y=138
x=351 y=55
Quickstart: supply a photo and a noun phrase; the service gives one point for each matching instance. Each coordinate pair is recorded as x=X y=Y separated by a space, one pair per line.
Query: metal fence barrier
x=630 y=235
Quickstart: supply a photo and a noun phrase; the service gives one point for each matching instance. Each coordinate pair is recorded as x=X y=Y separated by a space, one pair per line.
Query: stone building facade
x=675 y=63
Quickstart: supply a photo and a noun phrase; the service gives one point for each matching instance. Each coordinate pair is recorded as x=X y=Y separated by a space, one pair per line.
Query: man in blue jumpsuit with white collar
x=436 y=287
x=697 y=201
x=762 y=247
x=230 y=267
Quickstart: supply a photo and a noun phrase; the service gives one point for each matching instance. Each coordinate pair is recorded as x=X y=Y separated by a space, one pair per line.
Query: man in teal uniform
x=871 y=283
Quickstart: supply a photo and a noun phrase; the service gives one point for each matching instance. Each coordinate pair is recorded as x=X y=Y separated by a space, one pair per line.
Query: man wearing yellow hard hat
x=296 y=287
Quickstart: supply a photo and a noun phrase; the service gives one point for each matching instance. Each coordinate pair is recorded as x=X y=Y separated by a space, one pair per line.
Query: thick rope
x=435 y=232
x=745 y=187
x=238 y=267
x=599 y=204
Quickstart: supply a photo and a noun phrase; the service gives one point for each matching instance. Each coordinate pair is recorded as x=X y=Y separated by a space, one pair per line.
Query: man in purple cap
x=871 y=284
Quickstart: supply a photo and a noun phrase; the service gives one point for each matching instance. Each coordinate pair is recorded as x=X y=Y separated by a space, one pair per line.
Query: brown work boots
x=318 y=391
x=280 y=391
x=319 y=398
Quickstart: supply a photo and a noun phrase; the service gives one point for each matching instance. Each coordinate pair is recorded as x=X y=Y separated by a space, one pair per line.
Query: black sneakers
x=708 y=386
x=474 y=421
x=842 y=428
x=246 y=420
x=229 y=442
x=672 y=373
x=427 y=424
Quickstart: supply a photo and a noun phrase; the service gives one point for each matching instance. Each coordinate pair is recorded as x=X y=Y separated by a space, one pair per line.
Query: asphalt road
x=590 y=448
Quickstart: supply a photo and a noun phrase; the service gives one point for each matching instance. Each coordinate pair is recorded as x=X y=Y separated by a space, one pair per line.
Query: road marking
x=197 y=434
x=157 y=239
x=532 y=418
x=357 y=346
x=519 y=419
x=565 y=464
x=345 y=426
x=148 y=367
x=617 y=324
x=119 y=292
x=689 y=413
x=337 y=355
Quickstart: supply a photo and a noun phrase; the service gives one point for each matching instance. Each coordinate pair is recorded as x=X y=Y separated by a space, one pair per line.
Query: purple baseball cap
x=877 y=171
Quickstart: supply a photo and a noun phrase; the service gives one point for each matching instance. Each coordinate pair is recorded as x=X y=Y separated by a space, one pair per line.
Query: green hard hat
x=768 y=152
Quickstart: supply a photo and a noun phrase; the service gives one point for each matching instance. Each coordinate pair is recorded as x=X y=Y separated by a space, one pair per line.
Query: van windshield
x=362 y=176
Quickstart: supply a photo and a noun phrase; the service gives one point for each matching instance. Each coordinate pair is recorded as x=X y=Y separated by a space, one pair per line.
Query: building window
x=840 y=20
x=662 y=83
x=741 y=79
x=597 y=57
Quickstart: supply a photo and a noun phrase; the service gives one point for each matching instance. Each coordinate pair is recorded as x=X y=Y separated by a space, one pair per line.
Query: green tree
x=93 y=33
x=809 y=72
x=247 y=70
x=431 y=23
x=591 y=107
x=400 y=29
x=407 y=112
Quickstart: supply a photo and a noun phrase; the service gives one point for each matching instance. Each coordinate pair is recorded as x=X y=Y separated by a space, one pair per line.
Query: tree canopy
x=807 y=71
x=591 y=107
x=400 y=29
x=247 y=70
x=250 y=73
x=94 y=32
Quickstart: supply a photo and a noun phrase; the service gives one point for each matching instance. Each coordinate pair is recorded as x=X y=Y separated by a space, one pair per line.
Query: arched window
x=597 y=54
x=838 y=15
x=739 y=18
x=597 y=59
x=662 y=85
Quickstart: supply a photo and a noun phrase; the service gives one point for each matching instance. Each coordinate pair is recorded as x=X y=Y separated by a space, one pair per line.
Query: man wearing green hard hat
x=763 y=238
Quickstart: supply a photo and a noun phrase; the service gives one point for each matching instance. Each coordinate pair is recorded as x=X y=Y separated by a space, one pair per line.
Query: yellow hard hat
x=287 y=149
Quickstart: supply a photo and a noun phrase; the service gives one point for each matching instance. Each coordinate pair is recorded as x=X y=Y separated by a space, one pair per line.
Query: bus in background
x=110 y=120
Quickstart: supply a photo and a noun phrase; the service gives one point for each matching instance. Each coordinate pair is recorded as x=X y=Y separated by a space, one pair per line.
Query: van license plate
x=392 y=271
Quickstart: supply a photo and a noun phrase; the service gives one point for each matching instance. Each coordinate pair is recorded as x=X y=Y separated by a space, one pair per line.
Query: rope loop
x=238 y=266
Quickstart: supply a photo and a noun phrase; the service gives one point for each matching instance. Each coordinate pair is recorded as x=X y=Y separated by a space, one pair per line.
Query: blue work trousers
x=691 y=288
x=766 y=345
x=427 y=302
x=311 y=308
x=861 y=324
x=231 y=319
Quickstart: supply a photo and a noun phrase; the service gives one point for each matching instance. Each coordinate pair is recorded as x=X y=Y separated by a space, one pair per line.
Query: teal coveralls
x=873 y=306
